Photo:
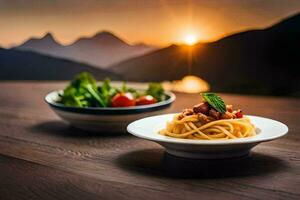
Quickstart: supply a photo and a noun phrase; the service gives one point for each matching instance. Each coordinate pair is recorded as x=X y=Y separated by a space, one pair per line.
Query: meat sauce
x=206 y=113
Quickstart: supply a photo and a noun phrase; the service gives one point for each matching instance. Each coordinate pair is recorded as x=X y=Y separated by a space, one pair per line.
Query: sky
x=156 y=22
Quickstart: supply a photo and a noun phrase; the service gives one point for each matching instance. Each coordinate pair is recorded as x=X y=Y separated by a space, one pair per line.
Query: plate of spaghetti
x=208 y=130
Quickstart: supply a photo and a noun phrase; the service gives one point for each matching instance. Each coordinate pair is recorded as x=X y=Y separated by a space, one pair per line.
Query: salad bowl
x=107 y=119
x=107 y=106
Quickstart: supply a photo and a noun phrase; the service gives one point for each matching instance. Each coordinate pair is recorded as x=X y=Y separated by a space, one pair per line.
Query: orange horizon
x=158 y=23
x=181 y=40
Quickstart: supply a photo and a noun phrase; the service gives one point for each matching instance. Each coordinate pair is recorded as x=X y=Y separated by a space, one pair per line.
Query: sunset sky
x=158 y=22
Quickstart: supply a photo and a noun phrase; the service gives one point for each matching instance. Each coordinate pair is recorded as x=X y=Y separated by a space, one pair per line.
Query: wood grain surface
x=42 y=157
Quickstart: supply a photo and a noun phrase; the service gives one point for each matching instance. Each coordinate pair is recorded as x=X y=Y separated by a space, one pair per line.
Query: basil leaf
x=214 y=101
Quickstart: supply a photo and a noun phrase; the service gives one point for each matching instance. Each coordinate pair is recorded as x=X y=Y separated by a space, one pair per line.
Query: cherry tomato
x=123 y=100
x=145 y=100
x=239 y=114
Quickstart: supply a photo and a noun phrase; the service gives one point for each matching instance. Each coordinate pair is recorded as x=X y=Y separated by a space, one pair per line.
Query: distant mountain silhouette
x=256 y=62
x=101 y=50
x=43 y=43
x=22 y=65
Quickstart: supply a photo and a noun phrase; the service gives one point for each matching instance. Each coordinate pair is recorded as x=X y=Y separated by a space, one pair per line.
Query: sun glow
x=188 y=84
x=190 y=39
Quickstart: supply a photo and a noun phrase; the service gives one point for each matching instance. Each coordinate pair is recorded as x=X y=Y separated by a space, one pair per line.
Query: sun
x=190 y=39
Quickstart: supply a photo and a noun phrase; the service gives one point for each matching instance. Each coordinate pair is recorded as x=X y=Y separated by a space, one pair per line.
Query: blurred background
x=236 y=46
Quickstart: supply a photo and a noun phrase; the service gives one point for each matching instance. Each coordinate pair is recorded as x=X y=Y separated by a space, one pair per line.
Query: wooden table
x=41 y=157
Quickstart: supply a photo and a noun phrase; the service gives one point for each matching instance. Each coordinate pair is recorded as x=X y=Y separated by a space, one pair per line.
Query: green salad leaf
x=157 y=91
x=106 y=92
x=82 y=92
x=215 y=101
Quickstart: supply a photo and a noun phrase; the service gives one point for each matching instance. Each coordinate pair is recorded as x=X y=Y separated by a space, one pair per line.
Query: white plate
x=147 y=128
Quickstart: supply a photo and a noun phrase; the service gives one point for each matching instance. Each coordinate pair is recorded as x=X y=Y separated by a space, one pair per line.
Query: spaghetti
x=206 y=123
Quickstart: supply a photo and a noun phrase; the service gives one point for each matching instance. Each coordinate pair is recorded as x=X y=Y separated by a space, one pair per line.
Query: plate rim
x=110 y=110
x=178 y=141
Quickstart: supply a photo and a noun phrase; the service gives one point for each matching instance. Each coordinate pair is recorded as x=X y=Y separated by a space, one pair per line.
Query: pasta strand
x=190 y=128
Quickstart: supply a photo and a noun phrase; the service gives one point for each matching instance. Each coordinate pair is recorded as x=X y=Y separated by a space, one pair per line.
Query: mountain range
x=25 y=65
x=262 y=61
x=101 y=50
